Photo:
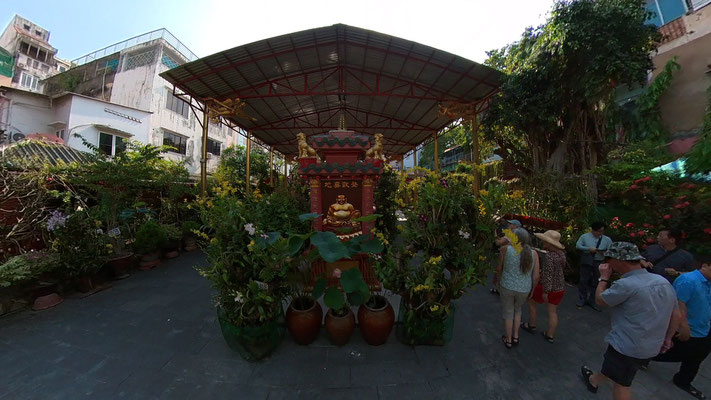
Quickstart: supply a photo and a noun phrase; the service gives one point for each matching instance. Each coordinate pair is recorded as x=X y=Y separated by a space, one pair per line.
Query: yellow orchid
x=513 y=239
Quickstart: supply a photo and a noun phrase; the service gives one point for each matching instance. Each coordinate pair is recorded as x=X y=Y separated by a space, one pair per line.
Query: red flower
x=682 y=205
x=690 y=186
x=615 y=218
x=633 y=187
x=667 y=216
x=650 y=240
x=684 y=235
x=645 y=179
x=707 y=231
x=646 y=225
x=633 y=235
x=640 y=233
x=681 y=198
x=629 y=225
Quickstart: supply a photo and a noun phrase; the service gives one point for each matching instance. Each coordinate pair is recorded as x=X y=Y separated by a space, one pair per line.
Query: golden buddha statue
x=341 y=214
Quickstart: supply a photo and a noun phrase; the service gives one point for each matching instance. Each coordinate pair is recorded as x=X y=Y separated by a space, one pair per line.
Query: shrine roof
x=303 y=82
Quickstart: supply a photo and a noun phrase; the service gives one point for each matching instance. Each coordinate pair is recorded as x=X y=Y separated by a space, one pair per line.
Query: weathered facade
x=34 y=57
x=687 y=37
x=127 y=74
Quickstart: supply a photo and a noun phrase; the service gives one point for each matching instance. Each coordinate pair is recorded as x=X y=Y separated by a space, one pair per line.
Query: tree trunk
x=556 y=162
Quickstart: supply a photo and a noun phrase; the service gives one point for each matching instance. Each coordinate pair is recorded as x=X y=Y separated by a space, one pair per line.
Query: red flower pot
x=303 y=319
x=376 y=322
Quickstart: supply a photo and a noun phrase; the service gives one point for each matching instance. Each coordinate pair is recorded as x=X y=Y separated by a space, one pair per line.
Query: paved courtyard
x=155 y=335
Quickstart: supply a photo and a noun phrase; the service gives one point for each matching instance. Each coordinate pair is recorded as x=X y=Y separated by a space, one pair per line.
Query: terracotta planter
x=303 y=319
x=376 y=323
x=85 y=284
x=172 y=249
x=190 y=244
x=47 y=301
x=150 y=260
x=121 y=265
x=340 y=329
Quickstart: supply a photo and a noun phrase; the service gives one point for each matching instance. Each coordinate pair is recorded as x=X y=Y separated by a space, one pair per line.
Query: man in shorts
x=644 y=318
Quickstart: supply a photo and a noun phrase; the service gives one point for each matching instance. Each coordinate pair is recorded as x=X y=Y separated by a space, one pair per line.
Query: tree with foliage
x=554 y=107
x=233 y=166
x=699 y=161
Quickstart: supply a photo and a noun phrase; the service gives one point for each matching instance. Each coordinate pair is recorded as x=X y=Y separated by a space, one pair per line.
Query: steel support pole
x=414 y=156
x=203 y=158
x=286 y=167
x=475 y=154
x=436 y=154
x=249 y=156
x=271 y=166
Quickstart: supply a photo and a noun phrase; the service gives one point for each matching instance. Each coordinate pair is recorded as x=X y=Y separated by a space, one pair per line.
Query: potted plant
x=150 y=238
x=83 y=248
x=189 y=236
x=17 y=275
x=171 y=248
x=442 y=253
x=376 y=318
x=353 y=291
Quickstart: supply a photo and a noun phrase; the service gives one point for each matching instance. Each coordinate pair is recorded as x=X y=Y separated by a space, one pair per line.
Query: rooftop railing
x=136 y=40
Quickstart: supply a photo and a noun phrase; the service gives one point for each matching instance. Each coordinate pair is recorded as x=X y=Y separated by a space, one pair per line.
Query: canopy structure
x=307 y=81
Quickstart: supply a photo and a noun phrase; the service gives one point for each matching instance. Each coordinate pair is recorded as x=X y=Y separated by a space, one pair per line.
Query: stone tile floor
x=155 y=336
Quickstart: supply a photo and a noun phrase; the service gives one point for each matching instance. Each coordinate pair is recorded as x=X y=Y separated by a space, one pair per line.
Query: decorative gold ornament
x=305 y=151
x=227 y=108
x=453 y=110
x=377 y=150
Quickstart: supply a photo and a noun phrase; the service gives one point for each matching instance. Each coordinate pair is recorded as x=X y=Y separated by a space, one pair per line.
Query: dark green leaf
x=333 y=298
x=368 y=218
x=329 y=246
x=319 y=287
x=308 y=217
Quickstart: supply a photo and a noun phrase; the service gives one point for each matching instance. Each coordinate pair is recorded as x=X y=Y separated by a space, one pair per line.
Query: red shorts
x=553 y=297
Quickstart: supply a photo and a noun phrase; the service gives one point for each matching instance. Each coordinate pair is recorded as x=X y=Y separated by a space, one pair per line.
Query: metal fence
x=136 y=40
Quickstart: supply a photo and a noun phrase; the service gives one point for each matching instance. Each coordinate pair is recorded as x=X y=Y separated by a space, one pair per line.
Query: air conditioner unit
x=209 y=156
x=21 y=65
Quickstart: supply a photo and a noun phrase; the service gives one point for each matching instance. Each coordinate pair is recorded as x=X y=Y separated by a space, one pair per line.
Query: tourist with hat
x=550 y=288
x=643 y=314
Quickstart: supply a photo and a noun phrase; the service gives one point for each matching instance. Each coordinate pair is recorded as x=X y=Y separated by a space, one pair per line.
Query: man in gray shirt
x=592 y=245
x=644 y=318
x=666 y=258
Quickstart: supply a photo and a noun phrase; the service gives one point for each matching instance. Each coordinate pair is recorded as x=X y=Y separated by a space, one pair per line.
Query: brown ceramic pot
x=150 y=260
x=190 y=244
x=376 y=322
x=339 y=329
x=121 y=264
x=303 y=318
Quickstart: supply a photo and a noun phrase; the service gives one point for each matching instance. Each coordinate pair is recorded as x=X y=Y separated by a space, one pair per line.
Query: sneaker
x=595 y=307
x=580 y=303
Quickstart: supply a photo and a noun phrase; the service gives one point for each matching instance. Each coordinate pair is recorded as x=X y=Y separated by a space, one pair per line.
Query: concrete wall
x=26 y=113
x=85 y=113
x=684 y=103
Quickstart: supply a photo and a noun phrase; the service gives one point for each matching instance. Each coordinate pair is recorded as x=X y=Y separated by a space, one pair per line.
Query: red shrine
x=342 y=168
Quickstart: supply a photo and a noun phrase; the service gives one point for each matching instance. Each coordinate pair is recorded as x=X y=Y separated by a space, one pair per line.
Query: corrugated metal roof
x=30 y=153
x=303 y=81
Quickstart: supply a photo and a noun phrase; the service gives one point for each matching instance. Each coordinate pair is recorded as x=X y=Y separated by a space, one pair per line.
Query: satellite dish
x=17 y=137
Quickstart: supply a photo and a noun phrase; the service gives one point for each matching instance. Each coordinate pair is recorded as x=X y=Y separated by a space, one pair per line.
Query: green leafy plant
x=26 y=267
x=151 y=236
x=82 y=245
x=353 y=291
x=189 y=228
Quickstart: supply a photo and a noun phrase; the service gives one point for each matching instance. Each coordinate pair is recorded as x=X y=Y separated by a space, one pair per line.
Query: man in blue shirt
x=693 y=343
x=592 y=245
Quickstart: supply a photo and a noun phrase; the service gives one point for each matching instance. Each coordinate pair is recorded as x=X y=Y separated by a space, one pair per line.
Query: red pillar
x=315 y=193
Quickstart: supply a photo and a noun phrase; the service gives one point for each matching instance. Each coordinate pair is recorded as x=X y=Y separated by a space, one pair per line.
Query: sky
x=467 y=28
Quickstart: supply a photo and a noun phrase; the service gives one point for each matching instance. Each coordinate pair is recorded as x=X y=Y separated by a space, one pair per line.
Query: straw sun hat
x=552 y=237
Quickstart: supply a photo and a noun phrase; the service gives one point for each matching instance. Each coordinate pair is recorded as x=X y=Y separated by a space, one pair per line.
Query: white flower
x=250 y=228
x=264 y=236
x=463 y=234
x=239 y=298
x=399 y=214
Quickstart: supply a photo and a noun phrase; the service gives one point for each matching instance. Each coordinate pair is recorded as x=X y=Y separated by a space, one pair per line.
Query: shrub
x=26 y=267
x=150 y=237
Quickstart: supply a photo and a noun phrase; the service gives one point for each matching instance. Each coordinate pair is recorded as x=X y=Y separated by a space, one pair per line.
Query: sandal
x=528 y=327
x=549 y=339
x=692 y=391
x=506 y=342
x=494 y=290
x=514 y=341
x=586 y=374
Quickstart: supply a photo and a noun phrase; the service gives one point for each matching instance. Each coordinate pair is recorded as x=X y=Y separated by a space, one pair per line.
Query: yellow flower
x=484 y=192
x=514 y=240
x=97 y=223
x=109 y=246
x=434 y=307
x=435 y=260
x=482 y=258
x=250 y=246
x=213 y=241
x=421 y=287
x=517 y=194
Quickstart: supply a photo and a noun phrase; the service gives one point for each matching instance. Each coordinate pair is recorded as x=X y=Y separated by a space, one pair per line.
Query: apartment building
x=127 y=74
x=33 y=58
